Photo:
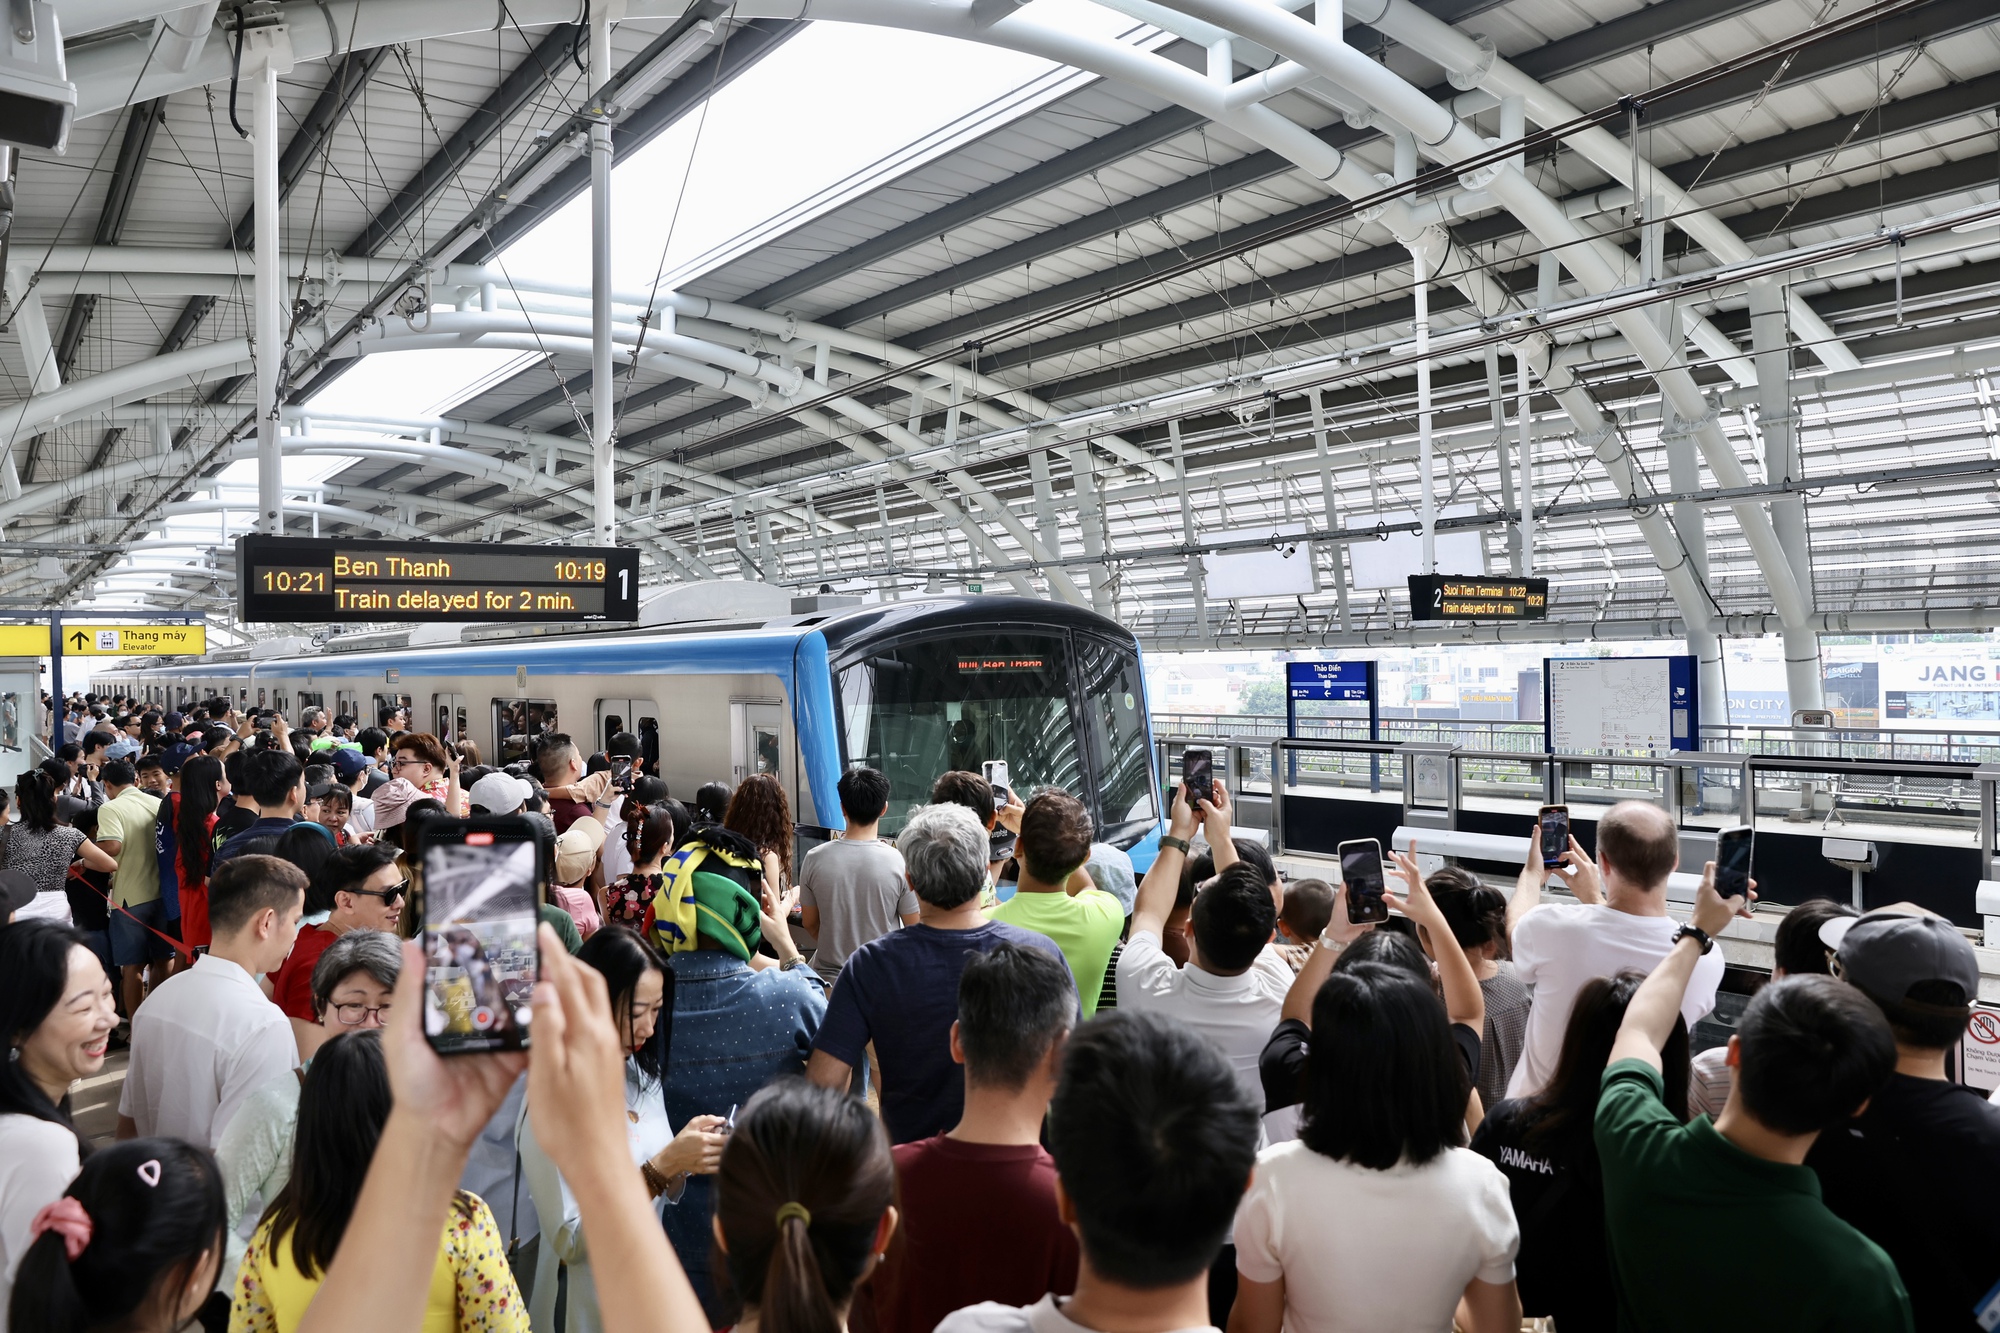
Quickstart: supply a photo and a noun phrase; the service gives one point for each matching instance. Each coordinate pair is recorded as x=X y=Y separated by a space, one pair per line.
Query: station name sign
x=1472 y=597
x=330 y=579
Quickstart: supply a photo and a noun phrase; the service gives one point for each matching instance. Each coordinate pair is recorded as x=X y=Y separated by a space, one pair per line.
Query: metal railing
x=1957 y=745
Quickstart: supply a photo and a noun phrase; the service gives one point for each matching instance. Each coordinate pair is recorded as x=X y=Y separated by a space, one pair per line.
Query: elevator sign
x=90 y=640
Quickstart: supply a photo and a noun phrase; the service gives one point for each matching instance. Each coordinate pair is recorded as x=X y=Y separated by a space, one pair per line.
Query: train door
x=448 y=717
x=756 y=736
x=388 y=706
x=641 y=717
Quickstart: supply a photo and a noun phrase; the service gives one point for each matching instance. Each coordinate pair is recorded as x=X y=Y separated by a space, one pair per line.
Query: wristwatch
x=788 y=964
x=1692 y=931
x=1178 y=844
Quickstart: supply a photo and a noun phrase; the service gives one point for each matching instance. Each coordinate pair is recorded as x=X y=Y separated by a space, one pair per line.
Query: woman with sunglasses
x=361 y=888
x=351 y=986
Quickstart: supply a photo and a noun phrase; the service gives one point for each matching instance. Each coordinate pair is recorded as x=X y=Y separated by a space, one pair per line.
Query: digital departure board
x=1474 y=597
x=316 y=578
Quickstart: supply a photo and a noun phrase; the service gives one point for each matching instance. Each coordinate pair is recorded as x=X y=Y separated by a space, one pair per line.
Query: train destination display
x=1475 y=597
x=313 y=578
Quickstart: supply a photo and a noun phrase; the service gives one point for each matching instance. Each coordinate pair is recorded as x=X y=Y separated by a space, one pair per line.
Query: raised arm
x=1464 y=1002
x=1649 y=1018
x=1218 y=825
x=1154 y=902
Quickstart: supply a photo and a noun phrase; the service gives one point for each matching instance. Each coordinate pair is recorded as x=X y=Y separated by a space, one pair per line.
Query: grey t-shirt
x=861 y=893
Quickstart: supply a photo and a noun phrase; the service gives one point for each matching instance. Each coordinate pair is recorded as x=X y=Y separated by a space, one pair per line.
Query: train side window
x=638 y=716
x=387 y=706
x=516 y=724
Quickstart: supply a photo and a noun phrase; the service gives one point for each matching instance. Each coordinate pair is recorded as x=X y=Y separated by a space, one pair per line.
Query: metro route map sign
x=331 y=579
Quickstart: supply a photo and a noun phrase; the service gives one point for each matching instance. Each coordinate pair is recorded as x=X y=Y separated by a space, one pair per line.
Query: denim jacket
x=735 y=1029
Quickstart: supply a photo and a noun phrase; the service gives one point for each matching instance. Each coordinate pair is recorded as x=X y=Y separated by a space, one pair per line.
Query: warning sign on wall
x=1979 y=1051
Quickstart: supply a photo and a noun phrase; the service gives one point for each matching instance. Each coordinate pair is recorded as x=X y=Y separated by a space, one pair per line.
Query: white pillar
x=603 y=401
x=1527 y=465
x=268 y=296
x=1424 y=461
x=1770 y=342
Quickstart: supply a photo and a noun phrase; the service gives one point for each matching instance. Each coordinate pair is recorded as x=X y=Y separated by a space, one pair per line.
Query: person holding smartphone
x=1618 y=921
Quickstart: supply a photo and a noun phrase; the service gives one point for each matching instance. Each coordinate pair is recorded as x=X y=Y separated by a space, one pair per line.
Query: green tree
x=1262 y=698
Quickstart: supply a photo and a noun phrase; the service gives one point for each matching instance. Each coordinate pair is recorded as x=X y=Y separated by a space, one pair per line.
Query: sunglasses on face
x=392 y=894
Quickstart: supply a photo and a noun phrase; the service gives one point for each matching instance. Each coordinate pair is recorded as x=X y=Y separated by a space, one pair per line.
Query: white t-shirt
x=1365 y=1251
x=1236 y=1014
x=201 y=1045
x=38 y=1159
x=1044 y=1316
x=1560 y=946
x=615 y=859
x=361 y=822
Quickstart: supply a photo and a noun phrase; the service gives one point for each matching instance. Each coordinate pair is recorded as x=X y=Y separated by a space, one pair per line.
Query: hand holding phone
x=1553 y=823
x=1198 y=778
x=995 y=773
x=1733 y=849
x=1363 y=881
x=483 y=881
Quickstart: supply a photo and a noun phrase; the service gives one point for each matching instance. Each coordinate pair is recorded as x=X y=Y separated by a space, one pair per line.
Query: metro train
x=914 y=688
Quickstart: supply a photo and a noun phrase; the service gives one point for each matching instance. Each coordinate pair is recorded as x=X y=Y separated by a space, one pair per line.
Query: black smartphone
x=1732 y=861
x=621 y=772
x=1361 y=871
x=1555 y=835
x=1198 y=777
x=482 y=882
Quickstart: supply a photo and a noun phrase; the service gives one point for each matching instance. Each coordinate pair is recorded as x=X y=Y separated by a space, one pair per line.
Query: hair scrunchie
x=787 y=1211
x=67 y=1218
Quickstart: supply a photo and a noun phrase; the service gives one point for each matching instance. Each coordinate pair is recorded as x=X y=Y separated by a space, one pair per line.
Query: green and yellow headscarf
x=709 y=887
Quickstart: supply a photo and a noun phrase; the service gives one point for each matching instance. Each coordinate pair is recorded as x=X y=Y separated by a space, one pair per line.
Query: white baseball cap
x=500 y=793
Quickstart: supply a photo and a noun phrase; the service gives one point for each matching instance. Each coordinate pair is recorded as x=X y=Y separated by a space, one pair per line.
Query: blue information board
x=1330 y=682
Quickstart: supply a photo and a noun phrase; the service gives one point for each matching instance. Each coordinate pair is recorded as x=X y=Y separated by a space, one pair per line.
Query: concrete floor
x=93 y=1102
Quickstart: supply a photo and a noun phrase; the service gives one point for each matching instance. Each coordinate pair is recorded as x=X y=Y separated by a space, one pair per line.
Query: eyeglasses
x=388 y=895
x=354 y=1015
x=403 y=759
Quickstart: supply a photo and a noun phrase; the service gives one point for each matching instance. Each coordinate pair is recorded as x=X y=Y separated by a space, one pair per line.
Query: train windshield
x=922 y=709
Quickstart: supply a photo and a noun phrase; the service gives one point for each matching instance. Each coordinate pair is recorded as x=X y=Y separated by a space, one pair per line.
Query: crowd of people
x=979 y=1078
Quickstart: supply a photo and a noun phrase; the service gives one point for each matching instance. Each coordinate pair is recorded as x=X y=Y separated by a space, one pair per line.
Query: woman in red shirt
x=187 y=826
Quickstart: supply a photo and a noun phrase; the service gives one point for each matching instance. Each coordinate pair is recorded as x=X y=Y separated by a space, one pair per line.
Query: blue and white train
x=914 y=688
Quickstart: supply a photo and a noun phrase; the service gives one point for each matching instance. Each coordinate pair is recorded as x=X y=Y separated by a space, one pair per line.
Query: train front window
x=1114 y=702
x=923 y=709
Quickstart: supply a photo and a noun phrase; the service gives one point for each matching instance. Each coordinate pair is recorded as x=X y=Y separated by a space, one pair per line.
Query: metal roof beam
x=1562 y=57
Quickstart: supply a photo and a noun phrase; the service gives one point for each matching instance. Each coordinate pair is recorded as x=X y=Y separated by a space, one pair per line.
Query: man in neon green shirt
x=1055 y=898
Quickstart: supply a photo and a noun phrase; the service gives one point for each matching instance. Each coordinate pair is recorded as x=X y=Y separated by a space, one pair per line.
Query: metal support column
x=1525 y=420
x=1090 y=515
x=1331 y=506
x=1496 y=398
x=269 y=294
x=603 y=399
x=1197 y=586
x=1425 y=462
x=1770 y=344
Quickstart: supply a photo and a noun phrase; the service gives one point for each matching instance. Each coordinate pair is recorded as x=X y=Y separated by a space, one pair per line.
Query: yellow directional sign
x=24 y=640
x=88 y=640
x=134 y=640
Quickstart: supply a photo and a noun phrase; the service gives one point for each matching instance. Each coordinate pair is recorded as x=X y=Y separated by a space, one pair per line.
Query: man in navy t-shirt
x=901 y=991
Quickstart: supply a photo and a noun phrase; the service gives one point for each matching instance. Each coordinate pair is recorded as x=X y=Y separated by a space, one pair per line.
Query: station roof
x=1052 y=310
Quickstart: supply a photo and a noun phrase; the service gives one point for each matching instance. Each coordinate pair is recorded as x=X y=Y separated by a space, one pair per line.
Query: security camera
x=37 y=100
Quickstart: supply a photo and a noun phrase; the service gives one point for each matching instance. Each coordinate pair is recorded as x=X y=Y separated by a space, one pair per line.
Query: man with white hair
x=901 y=991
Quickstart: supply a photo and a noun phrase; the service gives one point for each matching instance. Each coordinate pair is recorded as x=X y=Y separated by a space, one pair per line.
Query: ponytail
x=795 y=1293
x=800 y=1196
x=147 y=1221
x=649 y=832
x=1476 y=914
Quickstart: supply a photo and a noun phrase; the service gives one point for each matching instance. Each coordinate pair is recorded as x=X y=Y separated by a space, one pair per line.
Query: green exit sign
x=975 y=587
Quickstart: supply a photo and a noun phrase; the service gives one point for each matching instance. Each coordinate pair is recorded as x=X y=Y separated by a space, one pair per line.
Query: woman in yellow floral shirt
x=342 y=1108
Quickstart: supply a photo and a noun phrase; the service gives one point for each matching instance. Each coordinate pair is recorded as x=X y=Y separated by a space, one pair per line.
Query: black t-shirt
x=230 y=822
x=1918 y=1173
x=1283 y=1063
x=1562 y=1269
x=88 y=892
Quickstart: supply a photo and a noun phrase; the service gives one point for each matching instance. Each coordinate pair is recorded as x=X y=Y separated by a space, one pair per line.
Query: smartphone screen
x=1361 y=872
x=995 y=773
x=1555 y=834
x=483 y=879
x=1732 y=861
x=1198 y=777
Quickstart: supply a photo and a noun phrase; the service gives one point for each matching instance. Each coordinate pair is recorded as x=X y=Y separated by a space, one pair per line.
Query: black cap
x=16 y=892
